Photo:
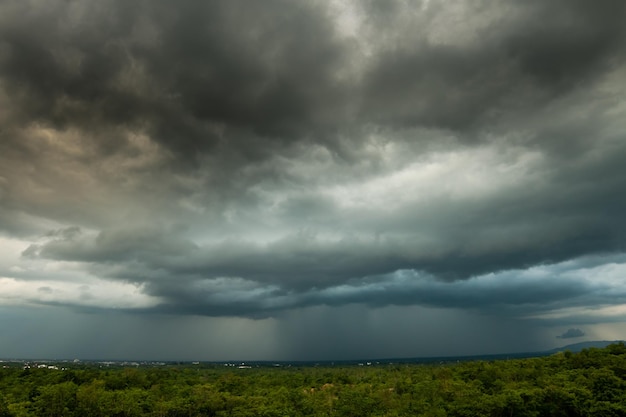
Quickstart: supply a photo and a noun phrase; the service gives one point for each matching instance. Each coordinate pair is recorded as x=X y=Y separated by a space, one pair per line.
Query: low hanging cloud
x=571 y=333
x=240 y=159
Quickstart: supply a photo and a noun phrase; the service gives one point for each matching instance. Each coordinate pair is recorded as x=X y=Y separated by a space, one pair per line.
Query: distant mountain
x=577 y=347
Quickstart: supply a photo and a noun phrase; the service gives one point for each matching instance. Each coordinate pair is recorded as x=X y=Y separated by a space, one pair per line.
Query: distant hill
x=577 y=347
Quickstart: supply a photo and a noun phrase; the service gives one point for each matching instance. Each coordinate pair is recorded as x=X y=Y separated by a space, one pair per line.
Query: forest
x=589 y=383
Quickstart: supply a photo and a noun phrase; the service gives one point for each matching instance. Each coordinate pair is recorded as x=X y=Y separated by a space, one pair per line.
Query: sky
x=330 y=179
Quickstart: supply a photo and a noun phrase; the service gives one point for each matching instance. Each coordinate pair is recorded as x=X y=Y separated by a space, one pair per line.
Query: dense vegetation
x=590 y=383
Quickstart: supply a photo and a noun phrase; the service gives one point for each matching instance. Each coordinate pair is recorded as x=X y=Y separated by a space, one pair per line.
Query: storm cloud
x=253 y=159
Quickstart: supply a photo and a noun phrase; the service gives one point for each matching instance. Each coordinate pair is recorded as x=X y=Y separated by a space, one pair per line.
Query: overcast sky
x=328 y=179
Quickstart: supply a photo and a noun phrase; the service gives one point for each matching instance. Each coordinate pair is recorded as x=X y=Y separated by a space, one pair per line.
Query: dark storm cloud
x=537 y=53
x=249 y=115
x=237 y=278
x=580 y=40
x=262 y=76
x=181 y=73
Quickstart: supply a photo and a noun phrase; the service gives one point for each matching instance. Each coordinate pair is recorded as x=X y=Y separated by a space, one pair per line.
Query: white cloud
x=94 y=293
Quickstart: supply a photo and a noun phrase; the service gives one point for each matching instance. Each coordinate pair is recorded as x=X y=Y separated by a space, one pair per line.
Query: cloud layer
x=235 y=158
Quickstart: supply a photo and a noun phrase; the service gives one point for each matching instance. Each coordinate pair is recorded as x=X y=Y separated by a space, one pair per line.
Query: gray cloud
x=571 y=333
x=244 y=159
x=517 y=62
x=182 y=75
x=197 y=83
